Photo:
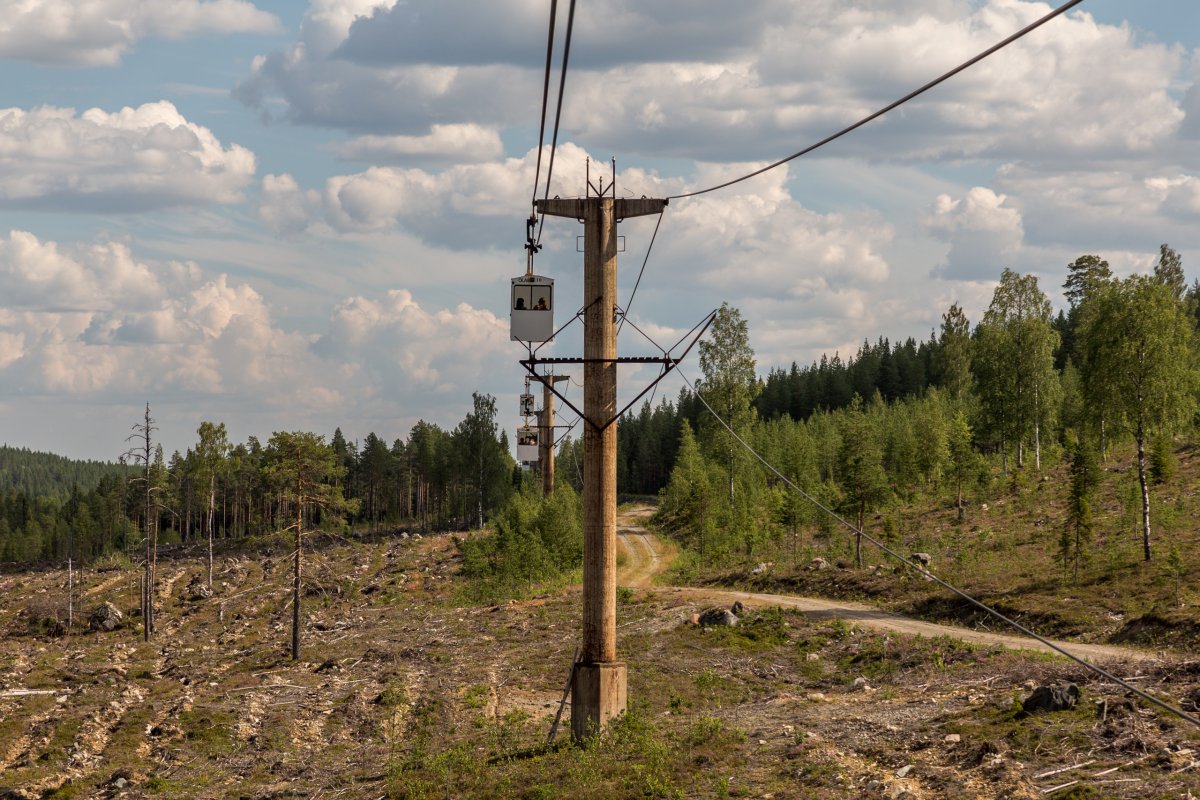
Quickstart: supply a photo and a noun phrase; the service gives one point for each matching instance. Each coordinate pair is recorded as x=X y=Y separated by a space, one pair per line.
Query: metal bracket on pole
x=667 y=361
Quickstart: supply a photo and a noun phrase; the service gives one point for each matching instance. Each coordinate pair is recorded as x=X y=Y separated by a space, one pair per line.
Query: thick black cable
x=641 y=271
x=537 y=175
x=562 y=83
x=965 y=65
x=1098 y=670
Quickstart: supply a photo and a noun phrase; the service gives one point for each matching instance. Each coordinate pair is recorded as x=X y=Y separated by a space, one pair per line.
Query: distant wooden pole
x=546 y=434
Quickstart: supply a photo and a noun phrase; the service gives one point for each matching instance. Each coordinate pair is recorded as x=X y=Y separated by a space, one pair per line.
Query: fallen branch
x=1060 y=786
x=1063 y=769
x=1120 y=766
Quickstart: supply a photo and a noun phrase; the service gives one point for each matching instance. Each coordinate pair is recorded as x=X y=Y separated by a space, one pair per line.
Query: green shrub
x=536 y=540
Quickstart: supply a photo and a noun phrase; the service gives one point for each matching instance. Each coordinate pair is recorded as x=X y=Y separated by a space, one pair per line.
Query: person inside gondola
x=520 y=306
x=541 y=305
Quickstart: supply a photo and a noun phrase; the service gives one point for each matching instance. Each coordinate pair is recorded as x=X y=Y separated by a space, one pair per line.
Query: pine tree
x=304 y=469
x=863 y=479
x=963 y=460
x=1077 y=533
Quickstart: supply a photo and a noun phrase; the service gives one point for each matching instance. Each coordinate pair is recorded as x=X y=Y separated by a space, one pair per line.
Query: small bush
x=114 y=560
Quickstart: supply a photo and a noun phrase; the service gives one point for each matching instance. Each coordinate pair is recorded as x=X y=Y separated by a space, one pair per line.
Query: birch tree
x=1019 y=386
x=729 y=385
x=210 y=455
x=1140 y=363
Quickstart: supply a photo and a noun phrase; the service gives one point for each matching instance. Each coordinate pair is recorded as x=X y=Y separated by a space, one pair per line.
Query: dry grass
x=402 y=693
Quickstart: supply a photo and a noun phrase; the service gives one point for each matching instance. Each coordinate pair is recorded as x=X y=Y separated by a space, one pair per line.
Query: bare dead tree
x=141 y=454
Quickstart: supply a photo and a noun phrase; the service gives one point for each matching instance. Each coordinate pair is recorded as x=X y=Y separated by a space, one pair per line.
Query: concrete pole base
x=599 y=694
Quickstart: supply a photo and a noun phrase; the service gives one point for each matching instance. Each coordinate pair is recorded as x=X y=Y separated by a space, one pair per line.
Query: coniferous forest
x=977 y=409
x=434 y=479
x=1017 y=392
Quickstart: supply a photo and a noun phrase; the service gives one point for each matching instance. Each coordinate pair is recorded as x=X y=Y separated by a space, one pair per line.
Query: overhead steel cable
x=537 y=174
x=562 y=83
x=641 y=271
x=1092 y=667
x=965 y=65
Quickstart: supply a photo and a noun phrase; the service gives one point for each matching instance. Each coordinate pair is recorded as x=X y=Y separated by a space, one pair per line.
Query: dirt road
x=645 y=556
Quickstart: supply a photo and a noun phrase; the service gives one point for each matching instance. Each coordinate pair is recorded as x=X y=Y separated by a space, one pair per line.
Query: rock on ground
x=106 y=617
x=1055 y=697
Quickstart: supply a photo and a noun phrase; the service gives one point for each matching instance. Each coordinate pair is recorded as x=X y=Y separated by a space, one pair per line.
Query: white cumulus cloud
x=462 y=143
x=129 y=160
x=985 y=234
x=100 y=32
x=136 y=329
x=726 y=81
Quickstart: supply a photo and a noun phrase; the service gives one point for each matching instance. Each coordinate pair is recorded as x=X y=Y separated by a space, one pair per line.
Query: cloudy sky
x=284 y=215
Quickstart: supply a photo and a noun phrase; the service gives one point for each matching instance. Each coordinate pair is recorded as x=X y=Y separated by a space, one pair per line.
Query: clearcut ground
x=404 y=691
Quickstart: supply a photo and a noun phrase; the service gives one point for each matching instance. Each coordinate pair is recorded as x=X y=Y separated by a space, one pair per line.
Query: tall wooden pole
x=546 y=433
x=599 y=688
x=599 y=446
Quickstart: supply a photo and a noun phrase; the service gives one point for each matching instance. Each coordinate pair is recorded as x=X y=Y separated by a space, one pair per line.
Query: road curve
x=643 y=556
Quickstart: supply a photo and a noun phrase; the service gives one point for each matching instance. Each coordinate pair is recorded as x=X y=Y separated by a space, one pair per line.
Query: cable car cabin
x=527 y=443
x=527 y=408
x=531 y=311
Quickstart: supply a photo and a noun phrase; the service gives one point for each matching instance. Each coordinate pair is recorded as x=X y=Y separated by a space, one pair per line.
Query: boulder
x=1055 y=697
x=105 y=618
x=717 y=617
x=198 y=589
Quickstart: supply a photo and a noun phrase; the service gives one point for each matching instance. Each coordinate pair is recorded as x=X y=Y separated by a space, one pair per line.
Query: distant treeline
x=48 y=475
x=648 y=441
x=434 y=479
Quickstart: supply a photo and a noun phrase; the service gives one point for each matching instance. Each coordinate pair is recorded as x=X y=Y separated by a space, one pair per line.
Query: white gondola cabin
x=527 y=443
x=527 y=407
x=531 y=309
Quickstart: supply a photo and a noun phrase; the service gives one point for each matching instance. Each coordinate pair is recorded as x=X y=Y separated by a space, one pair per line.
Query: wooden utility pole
x=599 y=688
x=546 y=433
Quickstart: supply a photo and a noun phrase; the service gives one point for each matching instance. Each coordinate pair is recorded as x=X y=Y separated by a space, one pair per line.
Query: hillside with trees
x=36 y=474
x=1031 y=454
x=434 y=479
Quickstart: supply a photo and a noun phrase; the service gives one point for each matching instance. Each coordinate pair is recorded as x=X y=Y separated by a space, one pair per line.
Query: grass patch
x=208 y=730
x=639 y=756
x=157 y=785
